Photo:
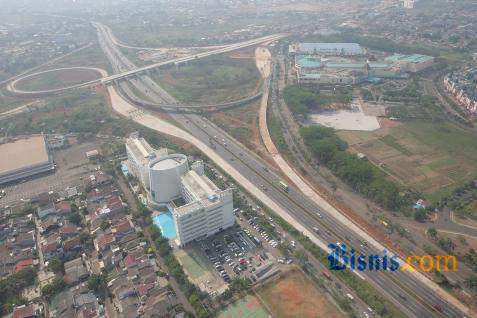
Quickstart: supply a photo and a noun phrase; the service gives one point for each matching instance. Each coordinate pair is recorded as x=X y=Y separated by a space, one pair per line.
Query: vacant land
x=294 y=295
x=57 y=79
x=241 y=122
x=247 y=307
x=211 y=80
x=431 y=157
x=91 y=56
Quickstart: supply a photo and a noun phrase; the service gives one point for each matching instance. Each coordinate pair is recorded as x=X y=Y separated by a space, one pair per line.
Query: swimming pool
x=165 y=222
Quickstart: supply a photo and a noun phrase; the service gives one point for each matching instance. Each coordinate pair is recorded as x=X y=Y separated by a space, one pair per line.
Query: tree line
x=360 y=174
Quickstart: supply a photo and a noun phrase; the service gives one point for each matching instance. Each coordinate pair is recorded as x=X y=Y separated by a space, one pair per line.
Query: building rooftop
x=142 y=150
x=168 y=162
x=308 y=62
x=414 y=58
x=23 y=153
x=347 y=48
x=199 y=186
x=203 y=191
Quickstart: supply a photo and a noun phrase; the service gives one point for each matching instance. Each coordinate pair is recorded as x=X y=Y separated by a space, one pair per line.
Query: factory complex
x=349 y=64
x=23 y=158
x=198 y=207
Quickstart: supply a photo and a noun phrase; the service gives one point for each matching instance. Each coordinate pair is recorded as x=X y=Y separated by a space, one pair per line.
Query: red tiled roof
x=68 y=229
x=50 y=247
x=23 y=264
x=23 y=312
x=129 y=261
x=72 y=243
x=63 y=206
x=123 y=226
x=143 y=289
x=104 y=240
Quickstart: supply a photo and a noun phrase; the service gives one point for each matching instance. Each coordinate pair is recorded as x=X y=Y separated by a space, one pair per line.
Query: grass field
x=247 y=307
x=192 y=264
x=91 y=56
x=212 y=80
x=57 y=79
x=295 y=296
x=430 y=157
x=241 y=122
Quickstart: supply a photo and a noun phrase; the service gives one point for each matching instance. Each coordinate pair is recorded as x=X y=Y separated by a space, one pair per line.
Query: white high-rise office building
x=140 y=154
x=208 y=209
x=408 y=4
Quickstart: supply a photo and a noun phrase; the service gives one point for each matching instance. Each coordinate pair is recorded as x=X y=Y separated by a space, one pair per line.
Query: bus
x=284 y=186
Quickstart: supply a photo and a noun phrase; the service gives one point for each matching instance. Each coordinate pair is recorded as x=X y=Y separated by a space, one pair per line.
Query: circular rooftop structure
x=168 y=162
x=165 y=176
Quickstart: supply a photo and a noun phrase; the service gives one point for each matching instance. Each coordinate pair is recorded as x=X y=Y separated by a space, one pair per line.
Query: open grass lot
x=194 y=266
x=8 y=101
x=295 y=296
x=57 y=79
x=241 y=122
x=211 y=80
x=430 y=157
x=247 y=307
x=91 y=56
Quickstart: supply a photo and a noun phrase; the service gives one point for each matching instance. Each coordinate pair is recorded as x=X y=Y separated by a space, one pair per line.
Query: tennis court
x=247 y=307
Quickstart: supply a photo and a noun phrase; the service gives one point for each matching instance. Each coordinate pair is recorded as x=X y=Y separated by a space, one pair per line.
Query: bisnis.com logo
x=340 y=259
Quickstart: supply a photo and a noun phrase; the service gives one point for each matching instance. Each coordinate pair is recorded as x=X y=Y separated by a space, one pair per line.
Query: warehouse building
x=24 y=158
x=208 y=210
x=326 y=49
x=410 y=63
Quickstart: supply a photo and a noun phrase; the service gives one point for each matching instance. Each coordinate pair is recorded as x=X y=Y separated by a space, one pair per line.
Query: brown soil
x=295 y=296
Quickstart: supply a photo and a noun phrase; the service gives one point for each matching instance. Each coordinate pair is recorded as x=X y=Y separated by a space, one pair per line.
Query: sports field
x=295 y=296
x=247 y=307
x=430 y=157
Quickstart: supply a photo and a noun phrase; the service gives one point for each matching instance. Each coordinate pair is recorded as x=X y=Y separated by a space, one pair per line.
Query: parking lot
x=236 y=252
x=71 y=166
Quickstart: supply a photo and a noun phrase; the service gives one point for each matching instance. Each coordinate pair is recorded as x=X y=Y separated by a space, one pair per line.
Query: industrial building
x=165 y=177
x=23 y=158
x=334 y=70
x=208 y=210
x=140 y=154
x=326 y=49
x=410 y=63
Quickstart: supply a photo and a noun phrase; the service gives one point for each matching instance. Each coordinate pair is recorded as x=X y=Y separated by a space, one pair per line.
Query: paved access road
x=446 y=223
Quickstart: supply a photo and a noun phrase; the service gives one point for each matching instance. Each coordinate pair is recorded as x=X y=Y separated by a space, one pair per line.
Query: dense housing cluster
x=463 y=86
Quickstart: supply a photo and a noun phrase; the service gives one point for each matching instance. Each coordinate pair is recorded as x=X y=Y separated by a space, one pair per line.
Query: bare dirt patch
x=294 y=295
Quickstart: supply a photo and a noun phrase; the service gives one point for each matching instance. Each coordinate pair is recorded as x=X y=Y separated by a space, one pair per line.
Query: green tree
x=56 y=266
x=420 y=215
x=432 y=232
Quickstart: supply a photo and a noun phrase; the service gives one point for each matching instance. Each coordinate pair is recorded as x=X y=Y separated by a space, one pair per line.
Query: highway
x=411 y=295
x=229 y=48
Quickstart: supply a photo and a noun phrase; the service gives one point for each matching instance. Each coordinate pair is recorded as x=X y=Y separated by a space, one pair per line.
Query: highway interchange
x=413 y=297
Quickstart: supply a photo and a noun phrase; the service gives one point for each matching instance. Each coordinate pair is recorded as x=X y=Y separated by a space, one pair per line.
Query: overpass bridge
x=178 y=61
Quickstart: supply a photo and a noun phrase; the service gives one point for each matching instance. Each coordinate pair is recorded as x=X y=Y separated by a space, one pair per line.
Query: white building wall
x=205 y=218
x=165 y=184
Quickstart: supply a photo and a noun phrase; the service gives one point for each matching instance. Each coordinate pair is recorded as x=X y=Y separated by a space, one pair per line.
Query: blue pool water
x=125 y=169
x=165 y=222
